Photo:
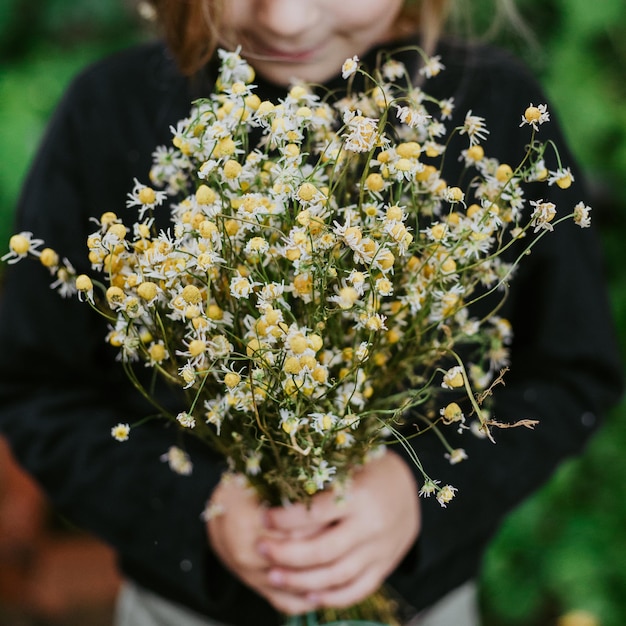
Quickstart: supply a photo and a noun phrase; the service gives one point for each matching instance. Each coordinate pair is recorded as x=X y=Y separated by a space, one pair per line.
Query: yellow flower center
x=147 y=290
x=265 y=107
x=147 y=195
x=291 y=150
x=374 y=182
x=107 y=218
x=306 y=192
x=298 y=344
x=404 y=165
x=454 y=379
x=395 y=213
x=452 y=413
x=315 y=342
x=83 y=283
x=196 y=347
x=385 y=259
x=455 y=194
x=19 y=244
x=205 y=195
x=564 y=182
x=49 y=258
x=532 y=114
x=225 y=147
x=157 y=352
x=214 y=312
x=409 y=150
x=476 y=153
x=292 y=365
x=232 y=169
x=115 y=295
x=191 y=294
x=438 y=231
x=504 y=173
x=232 y=379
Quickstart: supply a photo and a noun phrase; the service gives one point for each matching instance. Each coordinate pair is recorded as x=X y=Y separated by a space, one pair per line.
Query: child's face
x=307 y=39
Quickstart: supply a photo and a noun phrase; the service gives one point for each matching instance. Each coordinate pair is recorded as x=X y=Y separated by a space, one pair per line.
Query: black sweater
x=61 y=390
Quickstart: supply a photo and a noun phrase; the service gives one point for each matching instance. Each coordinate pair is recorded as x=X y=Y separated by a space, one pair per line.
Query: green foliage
x=578 y=50
x=28 y=92
x=42 y=46
x=564 y=548
x=29 y=25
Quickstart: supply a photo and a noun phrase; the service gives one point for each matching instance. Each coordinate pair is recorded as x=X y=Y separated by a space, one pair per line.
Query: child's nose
x=287 y=18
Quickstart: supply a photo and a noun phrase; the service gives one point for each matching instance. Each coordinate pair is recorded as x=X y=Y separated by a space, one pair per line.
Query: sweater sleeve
x=61 y=390
x=565 y=368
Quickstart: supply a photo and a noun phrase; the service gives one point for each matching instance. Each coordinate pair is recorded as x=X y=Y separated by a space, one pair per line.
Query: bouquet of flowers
x=314 y=289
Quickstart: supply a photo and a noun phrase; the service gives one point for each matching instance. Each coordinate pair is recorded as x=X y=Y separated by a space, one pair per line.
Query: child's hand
x=235 y=534
x=334 y=553
x=338 y=553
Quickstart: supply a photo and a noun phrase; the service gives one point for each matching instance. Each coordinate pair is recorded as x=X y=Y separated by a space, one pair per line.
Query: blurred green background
x=565 y=549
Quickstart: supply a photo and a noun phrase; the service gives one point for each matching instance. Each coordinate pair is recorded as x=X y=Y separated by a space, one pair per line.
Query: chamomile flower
x=543 y=214
x=358 y=280
x=562 y=178
x=322 y=423
x=289 y=421
x=186 y=420
x=345 y=297
x=474 y=127
x=323 y=474
x=582 y=215
x=349 y=67
x=413 y=117
x=429 y=488
x=361 y=133
x=253 y=463
x=384 y=286
x=344 y=439
x=178 y=460
x=456 y=456
x=535 y=116
x=188 y=374
x=453 y=378
x=393 y=70
x=447 y=106
x=20 y=246
x=50 y=259
x=65 y=280
x=157 y=353
x=445 y=494
x=146 y=198
x=233 y=68
x=432 y=66
x=241 y=286
x=452 y=413
x=120 y=432
x=84 y=287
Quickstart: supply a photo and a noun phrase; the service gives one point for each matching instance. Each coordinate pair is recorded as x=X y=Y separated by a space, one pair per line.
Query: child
x=62 y=390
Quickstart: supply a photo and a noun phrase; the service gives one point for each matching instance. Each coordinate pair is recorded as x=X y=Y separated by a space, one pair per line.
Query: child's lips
x=289 y=56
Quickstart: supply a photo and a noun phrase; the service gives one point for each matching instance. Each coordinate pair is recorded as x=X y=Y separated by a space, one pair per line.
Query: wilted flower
x=582 y=215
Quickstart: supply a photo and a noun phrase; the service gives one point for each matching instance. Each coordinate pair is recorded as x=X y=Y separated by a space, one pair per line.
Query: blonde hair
x=191 y=27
